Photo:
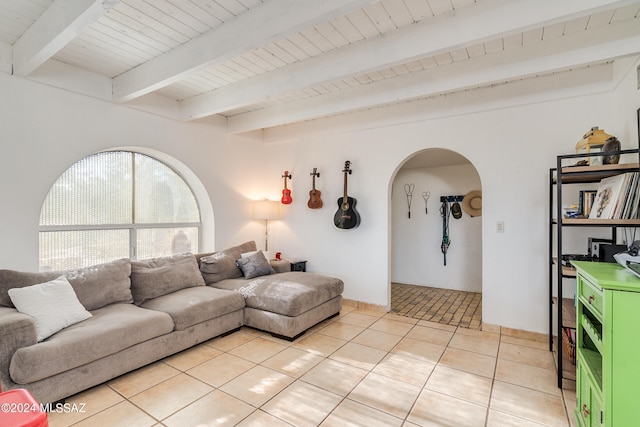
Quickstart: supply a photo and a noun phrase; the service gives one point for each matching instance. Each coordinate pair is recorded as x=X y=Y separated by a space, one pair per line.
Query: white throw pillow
x=54 y=305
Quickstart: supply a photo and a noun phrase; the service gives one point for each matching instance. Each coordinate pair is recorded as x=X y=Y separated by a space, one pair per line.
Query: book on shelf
x=628 y=206
x=616 y=197
x=625 y=206
x=585 y=201
x=631 y=210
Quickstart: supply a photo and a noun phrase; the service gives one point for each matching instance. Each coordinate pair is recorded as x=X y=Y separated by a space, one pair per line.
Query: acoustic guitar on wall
x=315 y=202
x=346 y=216
x=286 y=193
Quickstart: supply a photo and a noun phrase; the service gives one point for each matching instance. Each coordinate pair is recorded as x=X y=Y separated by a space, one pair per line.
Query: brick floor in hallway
x=446 y=306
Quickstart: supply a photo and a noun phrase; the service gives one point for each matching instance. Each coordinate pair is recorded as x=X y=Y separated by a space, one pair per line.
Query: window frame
x=132 y=227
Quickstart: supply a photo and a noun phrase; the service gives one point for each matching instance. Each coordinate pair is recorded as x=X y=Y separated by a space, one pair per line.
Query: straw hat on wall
x=472 y=203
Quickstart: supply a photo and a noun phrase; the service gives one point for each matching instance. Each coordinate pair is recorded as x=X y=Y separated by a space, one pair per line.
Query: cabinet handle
x=585 y=411
x=591 y=298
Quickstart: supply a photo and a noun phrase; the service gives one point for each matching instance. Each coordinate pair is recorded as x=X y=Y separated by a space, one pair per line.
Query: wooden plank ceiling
x=265 y=63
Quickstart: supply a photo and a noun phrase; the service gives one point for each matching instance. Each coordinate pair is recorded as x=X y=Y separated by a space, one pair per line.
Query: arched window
x=117 y=204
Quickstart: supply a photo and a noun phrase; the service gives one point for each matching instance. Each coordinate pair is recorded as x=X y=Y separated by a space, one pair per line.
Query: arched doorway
x=427 y=282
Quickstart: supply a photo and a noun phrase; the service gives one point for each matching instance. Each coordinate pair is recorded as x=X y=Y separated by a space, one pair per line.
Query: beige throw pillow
x=54 y=305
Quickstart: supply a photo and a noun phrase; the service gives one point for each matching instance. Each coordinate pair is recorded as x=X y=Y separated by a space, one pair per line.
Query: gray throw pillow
x=255 y=265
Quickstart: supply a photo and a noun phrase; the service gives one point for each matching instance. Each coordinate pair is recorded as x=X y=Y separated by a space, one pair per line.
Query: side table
x=299 y=265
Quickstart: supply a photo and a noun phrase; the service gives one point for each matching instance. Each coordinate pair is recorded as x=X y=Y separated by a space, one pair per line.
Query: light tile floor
x=362 y=368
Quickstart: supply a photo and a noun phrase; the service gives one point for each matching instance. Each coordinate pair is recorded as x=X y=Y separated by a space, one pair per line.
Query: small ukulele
x=346 y=217
x=315 y=202
x=286 y=193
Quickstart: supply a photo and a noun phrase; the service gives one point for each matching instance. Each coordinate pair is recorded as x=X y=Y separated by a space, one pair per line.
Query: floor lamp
x=266 y=210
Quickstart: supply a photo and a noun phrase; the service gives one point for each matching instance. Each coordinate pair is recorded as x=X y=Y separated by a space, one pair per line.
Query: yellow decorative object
x=592 y=141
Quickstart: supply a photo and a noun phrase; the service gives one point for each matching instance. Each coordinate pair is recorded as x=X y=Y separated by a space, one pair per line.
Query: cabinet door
x=621 y=374
x=589 y=410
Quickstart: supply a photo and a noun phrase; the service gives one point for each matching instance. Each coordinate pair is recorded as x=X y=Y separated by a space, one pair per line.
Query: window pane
x=156 y=242
x=162 y=196
x=64 y=250
x=102 y=202
x=95 y=190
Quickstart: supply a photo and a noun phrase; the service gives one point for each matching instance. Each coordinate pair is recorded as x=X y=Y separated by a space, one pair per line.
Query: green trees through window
x=117 y=204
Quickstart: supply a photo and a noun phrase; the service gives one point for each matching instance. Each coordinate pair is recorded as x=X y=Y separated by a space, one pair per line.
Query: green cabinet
x=607 y=345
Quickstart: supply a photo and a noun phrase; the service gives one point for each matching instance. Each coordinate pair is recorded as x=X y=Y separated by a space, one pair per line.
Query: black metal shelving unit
x=566 y=175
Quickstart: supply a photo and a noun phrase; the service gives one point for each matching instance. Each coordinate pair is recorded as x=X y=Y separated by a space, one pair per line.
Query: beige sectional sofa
x=143 y=311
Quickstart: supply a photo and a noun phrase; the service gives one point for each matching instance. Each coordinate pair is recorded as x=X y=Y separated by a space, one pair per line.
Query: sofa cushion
x=54 y=305
x=289 y=294
x=222 y=265
x=219 y=266
x=254 y=265
x=95 y=286
x=155 y=277
x=191 y=306
x=109 y=330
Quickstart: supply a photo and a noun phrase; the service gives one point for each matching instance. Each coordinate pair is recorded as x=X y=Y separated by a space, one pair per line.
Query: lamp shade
x=266 y=209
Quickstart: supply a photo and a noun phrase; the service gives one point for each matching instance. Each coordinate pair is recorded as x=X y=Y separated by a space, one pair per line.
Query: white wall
x=416 y=254
x=45 y=130
x=510 y=133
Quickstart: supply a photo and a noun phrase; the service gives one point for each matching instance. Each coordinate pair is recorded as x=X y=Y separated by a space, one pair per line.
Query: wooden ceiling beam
x=267 y=22
x=53 y=30
x=561 y=54
x=443 y=33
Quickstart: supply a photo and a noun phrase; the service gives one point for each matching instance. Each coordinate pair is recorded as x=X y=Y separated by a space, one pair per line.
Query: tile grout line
x=294 y=379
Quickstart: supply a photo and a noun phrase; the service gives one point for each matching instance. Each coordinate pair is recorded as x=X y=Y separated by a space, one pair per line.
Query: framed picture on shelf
x=607 y=197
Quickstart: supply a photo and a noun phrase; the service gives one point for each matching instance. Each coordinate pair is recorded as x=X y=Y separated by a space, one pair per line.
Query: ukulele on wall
x=286 y=193
x=346 y=217
x=315 y=202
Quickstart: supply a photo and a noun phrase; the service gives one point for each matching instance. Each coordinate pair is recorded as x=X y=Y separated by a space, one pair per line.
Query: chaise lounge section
x=284 y=303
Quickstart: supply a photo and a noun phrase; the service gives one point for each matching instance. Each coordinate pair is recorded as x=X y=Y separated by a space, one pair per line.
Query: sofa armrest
x=17 y=330
x=280 y=266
